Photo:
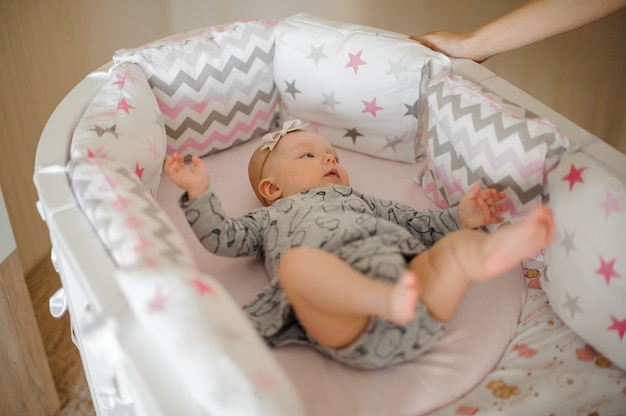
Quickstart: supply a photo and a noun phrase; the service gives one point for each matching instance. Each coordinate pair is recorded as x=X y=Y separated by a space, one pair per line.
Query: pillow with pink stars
x=123 y=122
x=218 y=359
x=360 y=87
x=585 y=278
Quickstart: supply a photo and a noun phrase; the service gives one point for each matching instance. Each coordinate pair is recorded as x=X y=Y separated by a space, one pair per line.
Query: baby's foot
x=402 y=299
x=511 y=244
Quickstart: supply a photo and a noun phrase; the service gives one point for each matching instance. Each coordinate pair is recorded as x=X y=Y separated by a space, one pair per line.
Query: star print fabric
x=369 y=83
x=374 y=236
x=586 y=264
x=123 y=122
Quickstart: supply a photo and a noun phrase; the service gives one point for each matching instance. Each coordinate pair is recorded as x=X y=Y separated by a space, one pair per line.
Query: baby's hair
x=255 y=170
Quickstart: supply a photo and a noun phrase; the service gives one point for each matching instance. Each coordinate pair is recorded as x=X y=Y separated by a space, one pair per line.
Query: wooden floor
x=63 y=356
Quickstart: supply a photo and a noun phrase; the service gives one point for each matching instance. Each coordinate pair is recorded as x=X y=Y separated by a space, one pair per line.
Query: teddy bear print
x=533 y=276
x=501 y=390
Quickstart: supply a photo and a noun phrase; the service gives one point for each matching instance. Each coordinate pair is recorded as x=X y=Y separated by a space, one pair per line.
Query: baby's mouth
x=333 y=173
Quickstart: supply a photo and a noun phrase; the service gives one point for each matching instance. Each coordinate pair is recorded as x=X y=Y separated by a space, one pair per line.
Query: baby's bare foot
x=511 y=244
x=402 y=299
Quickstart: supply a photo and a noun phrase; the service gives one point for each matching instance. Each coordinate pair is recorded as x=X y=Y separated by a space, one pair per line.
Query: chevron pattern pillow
x=215 y=86
x=474 y=136
x=130 y=223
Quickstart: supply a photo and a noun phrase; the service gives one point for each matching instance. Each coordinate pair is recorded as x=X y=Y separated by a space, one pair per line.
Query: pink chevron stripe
x=431 y=191
x=525 y=168
x=185 y=102
x=238 y=128
x=451 y=185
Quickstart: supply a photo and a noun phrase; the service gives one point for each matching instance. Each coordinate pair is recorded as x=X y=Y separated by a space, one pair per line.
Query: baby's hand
x=481 y=207
x=194 y=180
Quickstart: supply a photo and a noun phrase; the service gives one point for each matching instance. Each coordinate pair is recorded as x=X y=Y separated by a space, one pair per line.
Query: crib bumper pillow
x=585 y=278
x=224 y=366
x=123 y=122
x=477 y=137
x=214 y=86
x=358 y=86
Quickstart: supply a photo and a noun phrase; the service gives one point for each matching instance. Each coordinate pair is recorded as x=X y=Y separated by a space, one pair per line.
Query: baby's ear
x=269 y=190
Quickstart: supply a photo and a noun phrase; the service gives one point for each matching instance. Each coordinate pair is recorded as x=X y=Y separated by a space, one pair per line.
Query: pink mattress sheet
x=477 y=335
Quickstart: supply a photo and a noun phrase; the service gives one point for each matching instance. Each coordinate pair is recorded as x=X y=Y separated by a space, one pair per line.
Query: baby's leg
x=334 y=302
x=447 y=268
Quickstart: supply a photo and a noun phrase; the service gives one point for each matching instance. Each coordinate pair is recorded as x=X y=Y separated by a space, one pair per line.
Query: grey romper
x=374 y=236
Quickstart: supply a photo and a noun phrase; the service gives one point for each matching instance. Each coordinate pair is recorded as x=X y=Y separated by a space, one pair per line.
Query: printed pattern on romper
x=214 y=87
x=475 y=137
x=130 y=223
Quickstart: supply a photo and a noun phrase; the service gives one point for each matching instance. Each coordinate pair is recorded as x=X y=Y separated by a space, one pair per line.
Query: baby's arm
x=481 y=207
x=194 y=180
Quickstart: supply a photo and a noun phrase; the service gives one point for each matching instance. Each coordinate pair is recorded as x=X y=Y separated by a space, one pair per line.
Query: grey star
x=317 y=53
x=392 y=142
x=413 y=110
x=329 y=99
x=291 y=88
x=568 y=242
x=101 y=130
x=572 y=304
x=353 y=134
x=395 y=68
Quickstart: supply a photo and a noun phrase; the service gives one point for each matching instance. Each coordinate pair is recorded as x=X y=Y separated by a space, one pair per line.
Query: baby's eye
x=309 y=155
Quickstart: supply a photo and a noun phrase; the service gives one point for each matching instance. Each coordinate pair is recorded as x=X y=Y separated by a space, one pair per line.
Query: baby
x=366 y=281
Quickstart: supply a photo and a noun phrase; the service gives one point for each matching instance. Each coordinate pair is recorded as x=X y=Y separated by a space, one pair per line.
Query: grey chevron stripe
x=90 y=203
x=501 y=132
x=152 y=210
x=209 y=72
x=479 y=174
x=237 y=86
x=224 y=119
x=190 y=49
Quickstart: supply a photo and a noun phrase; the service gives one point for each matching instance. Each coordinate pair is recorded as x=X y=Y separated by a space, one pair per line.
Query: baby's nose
x=330 y=159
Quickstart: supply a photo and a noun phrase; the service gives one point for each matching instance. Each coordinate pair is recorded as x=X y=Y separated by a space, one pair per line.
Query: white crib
x=528 y=343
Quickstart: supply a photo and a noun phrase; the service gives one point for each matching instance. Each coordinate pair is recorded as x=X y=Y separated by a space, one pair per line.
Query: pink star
x=619 y=326
x=355 y=61
x=99 y=152
x=138 y=170
x=121 y=81
x=158 y=303
x=315 y=126
x=202 y=287
x=607 y=269
x=123 y=105
x=371 y=107
x=574 y=175
x=610 y=204
x=152 y=146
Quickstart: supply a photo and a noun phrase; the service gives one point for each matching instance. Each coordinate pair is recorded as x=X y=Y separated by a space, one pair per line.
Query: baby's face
x=303 y=160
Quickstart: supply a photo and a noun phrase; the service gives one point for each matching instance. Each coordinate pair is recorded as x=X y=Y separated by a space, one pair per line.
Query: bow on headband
x=271 y=139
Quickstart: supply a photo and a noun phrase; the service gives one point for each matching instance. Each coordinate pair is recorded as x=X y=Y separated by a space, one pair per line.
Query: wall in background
x=46 y=47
